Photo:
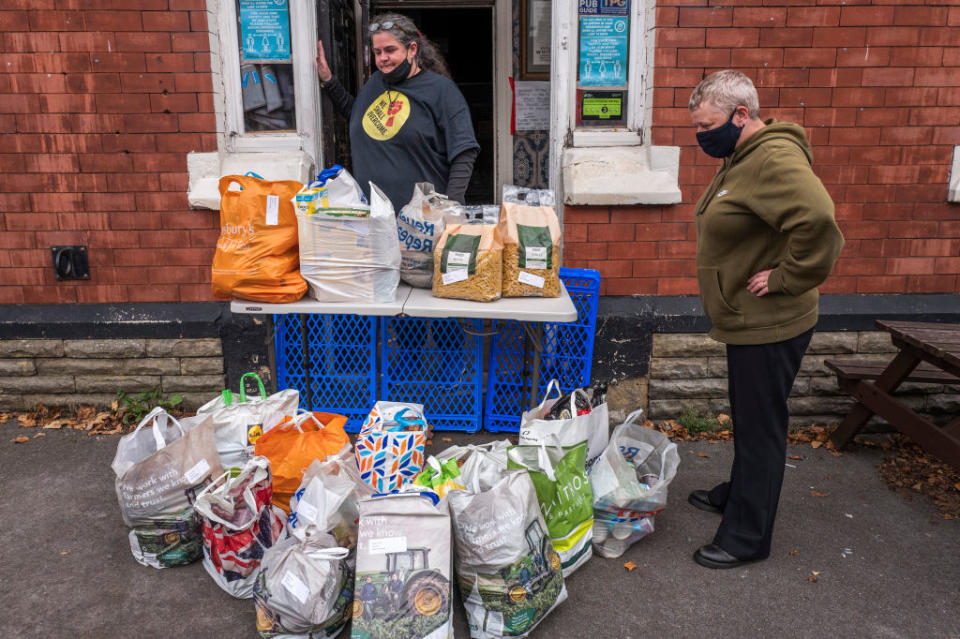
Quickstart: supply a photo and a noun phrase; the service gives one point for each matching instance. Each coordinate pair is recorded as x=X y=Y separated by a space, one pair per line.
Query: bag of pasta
x=467 y=263
x=531 y=243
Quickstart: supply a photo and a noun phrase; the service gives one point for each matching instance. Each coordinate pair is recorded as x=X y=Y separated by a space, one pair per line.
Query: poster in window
x=604 y=43
x=535 y=20
x=265 y=30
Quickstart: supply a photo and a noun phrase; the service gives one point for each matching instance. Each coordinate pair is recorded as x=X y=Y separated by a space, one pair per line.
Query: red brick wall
x=100 y=101
x=877 y=87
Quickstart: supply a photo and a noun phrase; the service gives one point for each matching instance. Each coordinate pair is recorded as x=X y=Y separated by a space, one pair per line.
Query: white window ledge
x=615 y=175
x=606 y=137
x=953 y=190
x=206 y=169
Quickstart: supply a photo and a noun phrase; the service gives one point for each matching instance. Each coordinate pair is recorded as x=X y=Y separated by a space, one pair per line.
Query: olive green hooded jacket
x=765 y=209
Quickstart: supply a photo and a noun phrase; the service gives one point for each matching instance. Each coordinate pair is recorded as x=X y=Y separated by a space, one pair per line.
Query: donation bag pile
x=419 y=226
x=467 y=263
x=238 y=525
x=630 y=481
x=294 y=444
x=257 y=256
x=563 y=492
x=390 y=445
x=510 y=577
x=240 y=423
x=160 y=467
x=349 y=251
x=580 y=415
x=404 y=567
x=531 y=243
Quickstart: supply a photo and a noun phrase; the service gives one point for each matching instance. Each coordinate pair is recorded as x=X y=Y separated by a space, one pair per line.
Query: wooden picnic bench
x=927 y=352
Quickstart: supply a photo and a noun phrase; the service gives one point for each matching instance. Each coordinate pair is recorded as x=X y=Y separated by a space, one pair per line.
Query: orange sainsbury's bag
x=257 y=254
x=292 y=445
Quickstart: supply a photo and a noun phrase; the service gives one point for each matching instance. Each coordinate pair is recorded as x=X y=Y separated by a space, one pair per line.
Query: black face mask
x=399 y=73
x=721 y=141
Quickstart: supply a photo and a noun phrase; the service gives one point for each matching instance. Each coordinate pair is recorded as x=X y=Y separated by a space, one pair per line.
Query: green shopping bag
x=566 y=499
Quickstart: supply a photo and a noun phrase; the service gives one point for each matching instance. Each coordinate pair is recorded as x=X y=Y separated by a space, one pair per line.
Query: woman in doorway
x=409 y=123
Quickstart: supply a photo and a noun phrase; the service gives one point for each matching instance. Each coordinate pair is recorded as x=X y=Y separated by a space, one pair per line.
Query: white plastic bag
x=351 y=255
x=419 y=226
x=160 y=467
x=593 y=427
x=630 y=481
x=240 y=423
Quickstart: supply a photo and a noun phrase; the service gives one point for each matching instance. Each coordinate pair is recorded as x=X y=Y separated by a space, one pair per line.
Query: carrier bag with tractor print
x=509 y=574
x=404 y=567
x=160 y=468
x=566 y=500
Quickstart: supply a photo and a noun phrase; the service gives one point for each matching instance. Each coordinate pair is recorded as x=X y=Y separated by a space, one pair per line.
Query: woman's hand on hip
x=323 y=69
x=757 y=284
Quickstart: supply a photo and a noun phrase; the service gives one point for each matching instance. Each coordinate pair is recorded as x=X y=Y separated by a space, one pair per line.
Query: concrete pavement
x=887 y=567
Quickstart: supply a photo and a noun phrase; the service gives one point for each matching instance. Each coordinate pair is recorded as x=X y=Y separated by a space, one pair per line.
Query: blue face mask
x=721 y=141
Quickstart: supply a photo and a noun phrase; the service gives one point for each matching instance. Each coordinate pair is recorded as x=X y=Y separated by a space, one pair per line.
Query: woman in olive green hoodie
x=766 y=238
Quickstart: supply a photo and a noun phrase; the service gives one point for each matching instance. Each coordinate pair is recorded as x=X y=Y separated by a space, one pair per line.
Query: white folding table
x=417 y=302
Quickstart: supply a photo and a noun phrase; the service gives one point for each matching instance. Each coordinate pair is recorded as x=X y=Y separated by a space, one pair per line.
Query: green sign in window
x=605 y=108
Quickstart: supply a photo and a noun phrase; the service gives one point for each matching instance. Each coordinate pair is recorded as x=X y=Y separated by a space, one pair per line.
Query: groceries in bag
x=510 y=576
x=160 y=467
x=240 y=422
x=481 y=466
x=334 y=188
x=304 y=588
x=390 y=445
x=404 y=569
x=440 y=477
x=563 y=492
x=531 y=243
x=580 y=415
x=349 y=251
x=419 y=226
x=467 y=263
x=294 y=444
x=239 y=523
x=257 y=256
x=630 y=481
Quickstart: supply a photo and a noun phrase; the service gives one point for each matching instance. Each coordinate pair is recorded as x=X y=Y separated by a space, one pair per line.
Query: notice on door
x=603 y=50
x=532 y=106
x=265 y=30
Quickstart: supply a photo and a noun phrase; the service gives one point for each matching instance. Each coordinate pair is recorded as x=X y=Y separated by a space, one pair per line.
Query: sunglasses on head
x=386 y=25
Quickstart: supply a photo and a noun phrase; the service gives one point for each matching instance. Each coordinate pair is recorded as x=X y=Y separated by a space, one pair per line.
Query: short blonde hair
x=726 y=90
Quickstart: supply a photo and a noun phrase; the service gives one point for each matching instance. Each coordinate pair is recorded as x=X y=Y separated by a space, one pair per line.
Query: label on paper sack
x=386 y=545
x=455 y=276
x=530 y=278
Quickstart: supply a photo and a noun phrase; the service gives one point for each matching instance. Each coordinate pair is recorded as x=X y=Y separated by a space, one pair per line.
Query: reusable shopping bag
x=531 y=243
x=160 y=467
x=257 y=256
x=239 y=523
x=294 y=444
x=390 y=445
x=630 y=481
x=592 y=427
x=240 y=423
x=563 y=492
x=404 y=567
x=304 y=588
x=419 y=226
x=510 y=577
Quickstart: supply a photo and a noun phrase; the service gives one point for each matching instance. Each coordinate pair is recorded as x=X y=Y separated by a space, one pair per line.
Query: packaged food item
x=419 y=226
x=531 y=243
x=404 y=567
x=468 y=263
x=257 y=257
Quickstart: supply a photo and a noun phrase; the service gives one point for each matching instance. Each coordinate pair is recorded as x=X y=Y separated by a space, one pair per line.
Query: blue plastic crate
x=331 y=360
x=567 y=354
x=435 y=363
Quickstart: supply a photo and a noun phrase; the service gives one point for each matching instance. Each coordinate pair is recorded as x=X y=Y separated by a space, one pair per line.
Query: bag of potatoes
x=531 y=243
x=467 y=263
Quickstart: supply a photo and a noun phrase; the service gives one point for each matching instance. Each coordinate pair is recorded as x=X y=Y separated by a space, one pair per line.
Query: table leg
x=534 y=331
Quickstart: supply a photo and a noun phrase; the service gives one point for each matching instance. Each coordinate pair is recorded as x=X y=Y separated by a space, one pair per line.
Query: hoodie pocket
x=718 y=310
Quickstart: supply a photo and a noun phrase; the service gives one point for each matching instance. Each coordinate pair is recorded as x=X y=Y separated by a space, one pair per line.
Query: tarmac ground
x=883 y=566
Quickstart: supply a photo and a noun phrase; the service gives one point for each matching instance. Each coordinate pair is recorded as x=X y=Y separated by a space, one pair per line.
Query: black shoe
x=713 y=556
x=701 y=499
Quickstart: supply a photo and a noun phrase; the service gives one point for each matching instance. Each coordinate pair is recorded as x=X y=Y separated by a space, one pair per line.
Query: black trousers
x=760 y=378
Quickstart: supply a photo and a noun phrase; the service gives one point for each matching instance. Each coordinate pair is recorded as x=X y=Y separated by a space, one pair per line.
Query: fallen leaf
x=794 y=457
x=814 y=493
x=629 y=566
x=4 y=417
x=39 y=435
x=957 y=485
x=723 y=419
x=446 y=439
x=702 y=455
x=57 y=424
x=812 y=579
x=816 y=443
x=64 y=552
x=794 y=552
x=814 y=572
x=27 y=421
x=429 y=442
x=114 y=405
x=20 y=440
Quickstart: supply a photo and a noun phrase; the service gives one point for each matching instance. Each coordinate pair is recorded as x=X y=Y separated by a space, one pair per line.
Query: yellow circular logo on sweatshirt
x=386 y=115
